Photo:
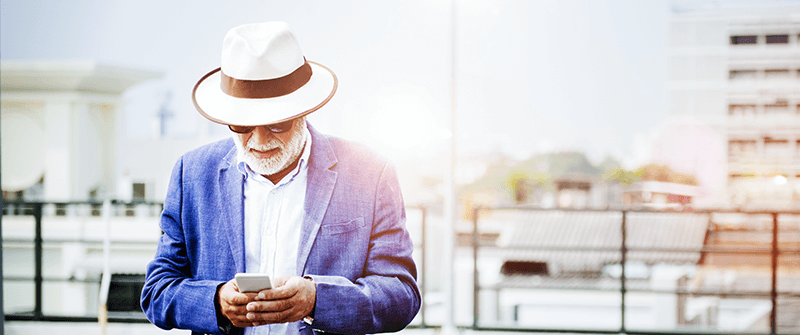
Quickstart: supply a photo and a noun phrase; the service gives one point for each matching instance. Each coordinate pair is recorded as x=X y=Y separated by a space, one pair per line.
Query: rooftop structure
x=61 y=127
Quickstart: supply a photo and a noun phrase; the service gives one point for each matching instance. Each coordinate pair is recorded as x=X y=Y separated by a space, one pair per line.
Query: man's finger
x=235 y=298
x=237 y=314
x=276 y=294
x=280 y=281
x=273 y=317
x=289 y=287
x=233 y=304
x=270 y=305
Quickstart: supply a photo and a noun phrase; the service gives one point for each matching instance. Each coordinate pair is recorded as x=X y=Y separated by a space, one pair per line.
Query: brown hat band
x=268 y=88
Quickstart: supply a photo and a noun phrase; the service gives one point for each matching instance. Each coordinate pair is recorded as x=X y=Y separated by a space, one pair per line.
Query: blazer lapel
x=319 y=189
x=231 y=186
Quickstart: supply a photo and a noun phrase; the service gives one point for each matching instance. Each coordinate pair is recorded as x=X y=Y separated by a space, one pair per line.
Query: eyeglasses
x=277 y=128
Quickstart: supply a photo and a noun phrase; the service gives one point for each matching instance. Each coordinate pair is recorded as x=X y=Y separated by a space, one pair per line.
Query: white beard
x=285 y=156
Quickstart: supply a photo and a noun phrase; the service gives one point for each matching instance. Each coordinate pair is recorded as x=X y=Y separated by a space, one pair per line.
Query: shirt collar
x=301 y=164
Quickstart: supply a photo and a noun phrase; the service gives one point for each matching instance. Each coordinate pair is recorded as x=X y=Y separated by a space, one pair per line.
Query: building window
x=780 y=106
x=744 y=39
x=138 y=191
x=742 y=74
x=61 y=209
x=735 y=109
x=738 y=148
x=776 y=147
x=524 y=268
x=777 y=73
x=777 y=39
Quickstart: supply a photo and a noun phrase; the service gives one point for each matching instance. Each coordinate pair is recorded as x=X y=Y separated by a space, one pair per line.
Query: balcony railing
x=78 y=228
x=598 y=261
x=526 y=265
x=31 y=229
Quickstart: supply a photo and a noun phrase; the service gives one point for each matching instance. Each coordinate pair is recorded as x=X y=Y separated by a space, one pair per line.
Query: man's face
x=268 y=153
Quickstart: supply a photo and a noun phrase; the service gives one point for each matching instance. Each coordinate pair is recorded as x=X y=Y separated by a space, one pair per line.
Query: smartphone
x=252 y=282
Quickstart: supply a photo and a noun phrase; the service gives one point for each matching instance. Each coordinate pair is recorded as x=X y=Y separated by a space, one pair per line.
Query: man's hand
x=233 y=304
x=290 y=299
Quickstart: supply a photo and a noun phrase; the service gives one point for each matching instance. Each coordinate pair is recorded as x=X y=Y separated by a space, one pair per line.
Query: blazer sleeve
x=171 y=297
x=386 y=297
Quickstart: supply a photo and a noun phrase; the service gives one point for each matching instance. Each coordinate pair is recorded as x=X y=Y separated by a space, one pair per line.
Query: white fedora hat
x=264 y=79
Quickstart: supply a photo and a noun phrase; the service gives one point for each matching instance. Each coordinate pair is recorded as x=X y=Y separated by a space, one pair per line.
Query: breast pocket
x=341 y=228
x=340 y=249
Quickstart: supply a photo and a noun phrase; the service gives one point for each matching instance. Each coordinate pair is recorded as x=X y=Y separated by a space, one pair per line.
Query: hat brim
x=215 y=105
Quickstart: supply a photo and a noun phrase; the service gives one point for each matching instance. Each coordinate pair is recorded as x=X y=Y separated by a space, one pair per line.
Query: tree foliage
x=651 y=172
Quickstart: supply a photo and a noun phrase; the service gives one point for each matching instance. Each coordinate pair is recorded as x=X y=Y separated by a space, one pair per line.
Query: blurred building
x=63 y=141
x=61 y=128
x=660 y=196
x=64 y=137
x=736 y=68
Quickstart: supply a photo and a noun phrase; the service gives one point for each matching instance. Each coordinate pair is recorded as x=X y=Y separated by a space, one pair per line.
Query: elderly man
x=323 y=217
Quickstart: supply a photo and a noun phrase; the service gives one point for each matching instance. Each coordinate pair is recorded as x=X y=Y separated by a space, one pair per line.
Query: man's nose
x=262 y=135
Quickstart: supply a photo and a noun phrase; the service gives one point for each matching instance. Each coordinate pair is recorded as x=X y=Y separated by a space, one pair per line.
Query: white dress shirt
x=273 y=216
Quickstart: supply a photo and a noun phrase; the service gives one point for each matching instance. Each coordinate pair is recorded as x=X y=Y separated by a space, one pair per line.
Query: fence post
x=2 y=309
x=424 y=274
x=475 y=284
x=774 y=295
x=102 y=315
x=37 y=256
x=622 y=290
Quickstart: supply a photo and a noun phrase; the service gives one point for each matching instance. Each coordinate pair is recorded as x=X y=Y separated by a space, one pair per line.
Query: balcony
x=515 y=269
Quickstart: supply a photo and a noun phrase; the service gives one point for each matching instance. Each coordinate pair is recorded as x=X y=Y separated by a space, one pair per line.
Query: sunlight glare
x=404 y=123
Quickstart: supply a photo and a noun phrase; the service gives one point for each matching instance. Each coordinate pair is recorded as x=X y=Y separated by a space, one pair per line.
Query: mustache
x=272 y=144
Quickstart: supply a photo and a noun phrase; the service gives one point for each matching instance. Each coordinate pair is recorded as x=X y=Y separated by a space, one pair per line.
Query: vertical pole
x=516 y=314
x=37 y=256
x=102 y=313
x=448 y=326
x=774 y=296
x=2 y=310
x=424 y=275
x=475 y=284
x=622 y=290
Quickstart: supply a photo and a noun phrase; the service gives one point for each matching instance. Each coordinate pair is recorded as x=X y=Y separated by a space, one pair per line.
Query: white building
x=736 y=67
x=61 y=137
x=61 y=126
x=63 y=140
x=64 y=137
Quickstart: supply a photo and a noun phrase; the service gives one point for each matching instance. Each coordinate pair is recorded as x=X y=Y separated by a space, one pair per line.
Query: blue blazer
x=353 y=243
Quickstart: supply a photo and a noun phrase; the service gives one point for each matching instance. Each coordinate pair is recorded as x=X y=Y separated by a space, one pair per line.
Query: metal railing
x=121 y=209
x=624 y=250
x=66 y=210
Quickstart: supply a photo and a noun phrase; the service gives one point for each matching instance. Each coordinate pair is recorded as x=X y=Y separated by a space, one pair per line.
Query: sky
x=530 y=76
